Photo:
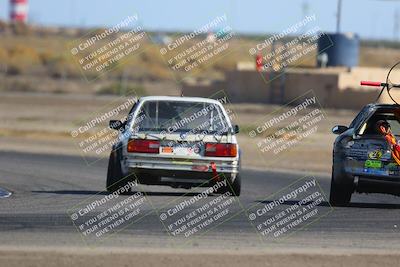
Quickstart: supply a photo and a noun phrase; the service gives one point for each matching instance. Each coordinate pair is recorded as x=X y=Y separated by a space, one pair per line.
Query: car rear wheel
x=340 y=194
x=235 y=186
x=114 y=173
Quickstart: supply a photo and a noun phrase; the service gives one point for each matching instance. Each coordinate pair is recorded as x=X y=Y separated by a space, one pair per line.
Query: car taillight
x=143 y=146
x=220 y=150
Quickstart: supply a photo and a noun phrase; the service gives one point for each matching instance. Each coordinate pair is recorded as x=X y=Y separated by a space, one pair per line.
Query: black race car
x=364 y=161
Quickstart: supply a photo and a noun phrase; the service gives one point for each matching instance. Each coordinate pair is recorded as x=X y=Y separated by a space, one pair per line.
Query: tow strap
x=393 y=144
x=214 y=171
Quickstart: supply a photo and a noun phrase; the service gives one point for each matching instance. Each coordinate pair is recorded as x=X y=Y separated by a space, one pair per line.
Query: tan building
x=334 y=87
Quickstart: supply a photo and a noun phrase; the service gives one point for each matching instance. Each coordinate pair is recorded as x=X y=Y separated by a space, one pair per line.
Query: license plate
x=183 y=151
x=178 y=150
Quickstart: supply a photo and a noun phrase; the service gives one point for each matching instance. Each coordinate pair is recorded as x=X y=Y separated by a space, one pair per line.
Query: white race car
x=176 y=141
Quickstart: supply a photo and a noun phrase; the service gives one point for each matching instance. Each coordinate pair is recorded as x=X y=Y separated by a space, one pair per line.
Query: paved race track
x=45 y=187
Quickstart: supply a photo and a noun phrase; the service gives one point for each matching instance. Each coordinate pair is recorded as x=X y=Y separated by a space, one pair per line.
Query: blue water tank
x=341 y=49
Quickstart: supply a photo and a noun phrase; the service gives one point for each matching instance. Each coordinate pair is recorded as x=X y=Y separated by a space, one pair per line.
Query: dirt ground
x=61 y=257
x=42 y=123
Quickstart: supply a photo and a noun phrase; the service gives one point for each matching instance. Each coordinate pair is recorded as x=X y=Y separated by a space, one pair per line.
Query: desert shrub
x=158 y=72
x=20 y=28
x=14 y=69
x=117 y=89
x=3 y=55
x=21 y=58
x=3 y=25
x=18 y=86
x=24 y=52
x=48 y=57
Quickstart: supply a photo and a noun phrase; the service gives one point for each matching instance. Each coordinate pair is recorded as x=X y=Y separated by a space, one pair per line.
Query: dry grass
x=30 y=53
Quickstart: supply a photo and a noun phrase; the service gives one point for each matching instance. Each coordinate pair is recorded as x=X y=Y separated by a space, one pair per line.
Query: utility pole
x=306 y=12
x=338 y=16
x=396 y=25
x=305 y=8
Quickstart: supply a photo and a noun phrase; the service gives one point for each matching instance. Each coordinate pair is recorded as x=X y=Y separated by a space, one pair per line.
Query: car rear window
x=391 y=116
x=180 y=116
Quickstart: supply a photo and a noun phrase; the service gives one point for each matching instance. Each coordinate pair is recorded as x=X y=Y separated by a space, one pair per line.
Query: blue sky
x=368 y=18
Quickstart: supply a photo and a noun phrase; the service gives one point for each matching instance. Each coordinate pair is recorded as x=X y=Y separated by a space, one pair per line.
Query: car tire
x=340 y=194
x=114 y=173
x=235 y=186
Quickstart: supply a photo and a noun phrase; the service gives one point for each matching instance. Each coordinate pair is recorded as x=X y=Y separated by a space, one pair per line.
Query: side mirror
x=236 y=128
x=338 y=129
x=115 y=124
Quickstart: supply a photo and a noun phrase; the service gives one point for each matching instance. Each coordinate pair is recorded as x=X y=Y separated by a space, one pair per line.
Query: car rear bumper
x=354 y=173
x=377 y=185
x=182 y=167
x=358 y=168
x=375 y=181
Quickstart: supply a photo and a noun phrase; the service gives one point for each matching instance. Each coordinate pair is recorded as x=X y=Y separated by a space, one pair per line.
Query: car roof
x=179 y=98
x=379 y=105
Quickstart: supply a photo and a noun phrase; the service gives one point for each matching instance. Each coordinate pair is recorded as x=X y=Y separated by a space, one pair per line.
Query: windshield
x=179 y=116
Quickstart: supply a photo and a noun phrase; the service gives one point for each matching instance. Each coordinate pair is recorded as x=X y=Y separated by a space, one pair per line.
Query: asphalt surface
x=47 y=189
